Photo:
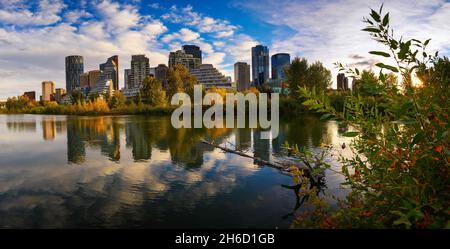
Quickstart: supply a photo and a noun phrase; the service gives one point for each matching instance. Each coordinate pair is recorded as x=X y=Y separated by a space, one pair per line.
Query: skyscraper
x=209 y=76
x=94 y=76
x=342 y=82
x=194 y=51
x=140 y=69
x=48 y=88
x=242 y=76
x=74 y=68
x=260 y=65
x=181 y=57
x=31 y=95
x=110 y=70
x=161 y=74
x=279 y=63
x=126 y=77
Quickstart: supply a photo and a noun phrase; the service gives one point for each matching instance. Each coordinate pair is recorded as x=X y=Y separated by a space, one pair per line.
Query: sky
x=36 y=36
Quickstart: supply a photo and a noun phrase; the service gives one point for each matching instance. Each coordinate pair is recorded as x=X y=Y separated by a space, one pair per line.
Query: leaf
x=426 y=42
x=350 y=134
x=404 y=48
x=375 y=16
x=326 y=116
x=380 y=53
x=386 y=19
x=381 y=65
x=357 y=71
x=372 y=30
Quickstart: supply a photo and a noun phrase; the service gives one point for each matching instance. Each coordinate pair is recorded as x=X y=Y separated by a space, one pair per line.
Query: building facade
x=181 y=57
x=74 y=68
x=126 y=77
x=161 y=74
x=48 y=89
x=279 y=63
x=342 y=82
x=94 y=76
x=31 y=95
x=140 y=69
x=110 y=70
x=59 y=94
x=84 y=80
x=209 y=76
x=242 y=76
x=194 y=51
x=260 y=65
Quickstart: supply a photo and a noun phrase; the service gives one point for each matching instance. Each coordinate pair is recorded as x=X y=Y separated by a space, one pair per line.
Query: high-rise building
x=59 y=94
x=181 y=57
x=194 y=51
x=94 y=76
x=48 y=89
x=126 y=78
x=209 y=76
x=242 y=76
x=30 y=95
x=140 y=69
x=342 y=82
x=279 y=63
x=161 y=74
x=84 y=80
x=260 y=65
x=74 y=68
x=110 y=70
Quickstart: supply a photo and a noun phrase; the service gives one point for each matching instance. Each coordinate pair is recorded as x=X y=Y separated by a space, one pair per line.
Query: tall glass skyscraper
x=194 y=50
x=279 y=63
x=260 y=65
x=74 y=68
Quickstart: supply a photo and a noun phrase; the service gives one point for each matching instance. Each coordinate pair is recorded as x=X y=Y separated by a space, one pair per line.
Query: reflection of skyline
x=180 y=174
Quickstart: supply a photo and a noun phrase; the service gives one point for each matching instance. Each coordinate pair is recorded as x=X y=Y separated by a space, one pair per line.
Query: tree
x=152 y=92
x=367 y=84
x=174 y=82
x=117 y=100
x=301 y=74
x=296 y=74
x=77 y=97
x=318 y=76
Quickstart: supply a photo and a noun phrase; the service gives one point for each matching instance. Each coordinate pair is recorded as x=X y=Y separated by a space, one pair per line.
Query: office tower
x=74 y=68
x=209 y=76
x=194 y=51
x=48 y=88
x=260 y=65
x=242 y=76
x=30 y=95
x=140 y=69
x=94 y=76
x=126 y=78
x=110 y=70
x=84 y=80
x=59 y=94
x=342 y=82
x=279 y=63
x=181 y=57
x=161 y=74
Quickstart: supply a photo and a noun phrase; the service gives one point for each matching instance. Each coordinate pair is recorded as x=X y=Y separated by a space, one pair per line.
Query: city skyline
x=33 y=45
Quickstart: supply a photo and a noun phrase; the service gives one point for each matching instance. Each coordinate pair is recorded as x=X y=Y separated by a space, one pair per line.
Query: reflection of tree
x=261 y=147
x=243 y=138
x=101 y=132
x=306 y=130
x=21 y=126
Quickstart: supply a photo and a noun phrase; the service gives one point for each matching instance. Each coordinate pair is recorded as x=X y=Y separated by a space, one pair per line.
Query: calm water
x=137 y=171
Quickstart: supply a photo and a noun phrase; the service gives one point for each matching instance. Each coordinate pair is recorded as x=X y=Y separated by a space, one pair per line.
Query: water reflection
x=127 y=171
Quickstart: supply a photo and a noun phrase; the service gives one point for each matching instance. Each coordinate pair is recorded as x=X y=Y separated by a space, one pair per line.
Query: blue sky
x=35 y=36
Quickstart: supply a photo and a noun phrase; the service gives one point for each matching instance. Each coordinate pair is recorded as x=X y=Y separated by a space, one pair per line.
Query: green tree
x=174 y=82
x=318 y=76
x=152 y=92
x=77 y=97
x=296 y=75
x=117 y=100
x=367 y=84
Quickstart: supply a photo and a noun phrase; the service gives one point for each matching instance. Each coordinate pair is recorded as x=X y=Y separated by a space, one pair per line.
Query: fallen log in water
x=317 y=179
x=283 y=167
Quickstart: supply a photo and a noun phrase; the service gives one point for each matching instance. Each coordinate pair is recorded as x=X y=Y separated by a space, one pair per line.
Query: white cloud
x=74 y=15
x=18 y=13
x=184 y=34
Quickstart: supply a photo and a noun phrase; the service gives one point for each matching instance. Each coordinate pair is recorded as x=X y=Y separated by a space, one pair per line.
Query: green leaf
x=373 y=30
x=404 y=48
x=386 y=19
x=326 y=116
x=381 y=65
x=426 y=42
x=380 y=53
x=350 y=134
x=375 y=16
